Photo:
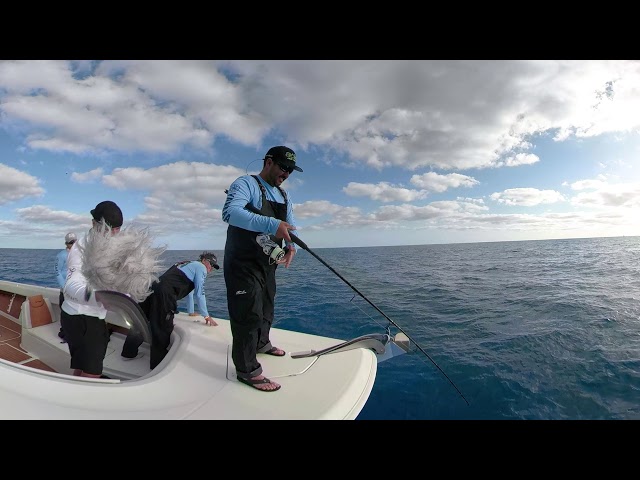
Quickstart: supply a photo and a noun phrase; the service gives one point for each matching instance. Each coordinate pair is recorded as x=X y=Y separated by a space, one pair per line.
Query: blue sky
x=397 y=152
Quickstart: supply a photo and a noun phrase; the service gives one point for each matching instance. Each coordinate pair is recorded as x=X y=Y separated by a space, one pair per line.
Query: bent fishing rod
x=297 y=241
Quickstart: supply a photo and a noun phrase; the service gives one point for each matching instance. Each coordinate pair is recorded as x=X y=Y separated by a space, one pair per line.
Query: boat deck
x=10 y=338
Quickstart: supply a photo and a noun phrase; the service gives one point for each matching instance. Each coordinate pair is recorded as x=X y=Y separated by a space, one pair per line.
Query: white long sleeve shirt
x=75 y=288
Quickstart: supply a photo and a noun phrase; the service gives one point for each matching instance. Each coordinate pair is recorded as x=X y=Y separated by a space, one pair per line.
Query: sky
x=394 y=152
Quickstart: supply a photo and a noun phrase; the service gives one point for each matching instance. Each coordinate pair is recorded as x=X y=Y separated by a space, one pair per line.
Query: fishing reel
x=270 y=248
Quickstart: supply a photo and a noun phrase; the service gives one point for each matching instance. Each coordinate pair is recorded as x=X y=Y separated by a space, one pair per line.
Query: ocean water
x=525 y=330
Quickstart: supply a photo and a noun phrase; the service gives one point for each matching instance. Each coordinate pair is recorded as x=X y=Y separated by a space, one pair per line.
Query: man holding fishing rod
x=260 y=214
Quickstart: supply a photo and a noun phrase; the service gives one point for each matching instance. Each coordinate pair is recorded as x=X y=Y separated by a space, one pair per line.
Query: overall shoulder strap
x=264 y=191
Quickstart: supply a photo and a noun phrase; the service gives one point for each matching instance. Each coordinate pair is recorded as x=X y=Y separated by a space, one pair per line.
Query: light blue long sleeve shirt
x=190 y=307
x=197 y=273
x=61 y=267
x=245 y=190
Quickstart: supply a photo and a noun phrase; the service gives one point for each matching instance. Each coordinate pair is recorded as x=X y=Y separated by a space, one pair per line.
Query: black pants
x=250 y=314
x=60 y=300
x=159 y=308
x=87 y=338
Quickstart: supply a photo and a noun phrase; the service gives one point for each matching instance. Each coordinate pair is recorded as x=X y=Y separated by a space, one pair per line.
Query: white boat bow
x=196 y=380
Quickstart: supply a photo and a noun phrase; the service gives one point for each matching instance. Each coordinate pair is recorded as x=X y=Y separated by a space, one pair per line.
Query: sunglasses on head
x=285 y=169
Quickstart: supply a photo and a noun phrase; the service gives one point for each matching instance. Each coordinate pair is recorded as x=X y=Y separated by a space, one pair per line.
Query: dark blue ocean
x=544 y=329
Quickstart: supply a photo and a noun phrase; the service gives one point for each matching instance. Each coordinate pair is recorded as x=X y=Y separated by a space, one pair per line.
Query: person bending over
x=162 y=304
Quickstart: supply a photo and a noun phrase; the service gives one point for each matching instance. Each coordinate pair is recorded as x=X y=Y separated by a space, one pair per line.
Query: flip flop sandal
x=274 y=351
x=252 y=383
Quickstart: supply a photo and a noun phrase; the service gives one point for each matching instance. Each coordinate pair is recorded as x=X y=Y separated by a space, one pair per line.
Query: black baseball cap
x=110 y=212
x=283 y=155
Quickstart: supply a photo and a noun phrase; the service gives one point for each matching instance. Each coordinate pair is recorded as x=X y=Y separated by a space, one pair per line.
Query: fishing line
x=297 y=241
x=374 y=321
x=302 y=244
x=246 y=170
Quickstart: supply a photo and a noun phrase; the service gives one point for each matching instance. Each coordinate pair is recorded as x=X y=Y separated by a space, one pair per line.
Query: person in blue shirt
x=194 y=271
x=162 y=304
x=61 y=270
x=260 y=215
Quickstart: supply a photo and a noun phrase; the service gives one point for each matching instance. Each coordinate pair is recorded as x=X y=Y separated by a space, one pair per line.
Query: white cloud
x=383 y=191
x=434 y=182
x=401 y=113
x=518 y=159
x=87 y=177
x=165 y=121
x=317 y=209
x=16 y=185
x=527 y=197
x=607 y=195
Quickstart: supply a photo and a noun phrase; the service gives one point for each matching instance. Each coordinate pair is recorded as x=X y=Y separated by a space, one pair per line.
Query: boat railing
x=373 y=341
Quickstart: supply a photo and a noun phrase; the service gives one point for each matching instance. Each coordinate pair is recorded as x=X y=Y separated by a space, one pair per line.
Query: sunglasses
x=70 y=243
x=289 y=170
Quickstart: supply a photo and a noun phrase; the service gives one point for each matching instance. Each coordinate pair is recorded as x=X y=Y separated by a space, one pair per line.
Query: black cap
x=283 y=155
x=210 y=256
x=110 y=212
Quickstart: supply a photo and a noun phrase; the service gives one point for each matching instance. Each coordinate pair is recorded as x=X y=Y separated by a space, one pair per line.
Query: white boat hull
x=196 y=380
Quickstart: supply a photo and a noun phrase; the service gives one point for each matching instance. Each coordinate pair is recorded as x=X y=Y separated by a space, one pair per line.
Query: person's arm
x=76 y=287
x=190 y=309
x=290 y=246
x=61 y=268
x=198 y=291
x=242 y=191
x=291 y=219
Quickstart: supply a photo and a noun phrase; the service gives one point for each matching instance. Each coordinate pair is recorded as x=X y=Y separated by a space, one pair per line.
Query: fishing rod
x=297 y=241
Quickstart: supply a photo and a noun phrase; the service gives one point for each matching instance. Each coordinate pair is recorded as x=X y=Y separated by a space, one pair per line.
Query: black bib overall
x=250 y=279
x=160 y=308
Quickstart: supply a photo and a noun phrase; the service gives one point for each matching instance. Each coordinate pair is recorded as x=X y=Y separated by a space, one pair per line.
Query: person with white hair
x=107 y=258
x=83 y=317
